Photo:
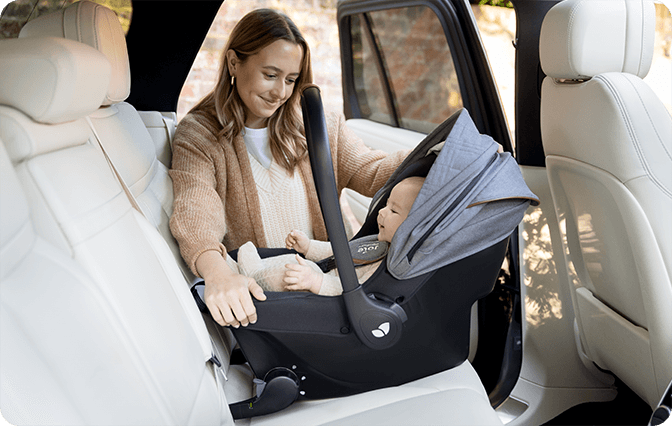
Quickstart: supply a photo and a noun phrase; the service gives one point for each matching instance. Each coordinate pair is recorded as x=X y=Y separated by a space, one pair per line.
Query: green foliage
x=18 y=12
x=501 y=3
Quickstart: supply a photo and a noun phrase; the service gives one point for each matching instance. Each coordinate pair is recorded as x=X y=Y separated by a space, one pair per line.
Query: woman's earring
x=233 y=80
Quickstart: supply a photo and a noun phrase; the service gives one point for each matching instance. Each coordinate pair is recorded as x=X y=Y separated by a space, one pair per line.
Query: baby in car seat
x=291 y=272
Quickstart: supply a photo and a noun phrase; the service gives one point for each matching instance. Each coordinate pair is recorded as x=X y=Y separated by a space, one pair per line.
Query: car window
x=18 y=12
x=403 y=69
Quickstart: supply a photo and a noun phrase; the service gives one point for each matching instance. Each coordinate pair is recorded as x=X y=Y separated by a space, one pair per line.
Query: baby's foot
x=249 y=261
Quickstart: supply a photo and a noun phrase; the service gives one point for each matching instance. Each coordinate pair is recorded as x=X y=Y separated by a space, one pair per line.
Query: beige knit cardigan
x=216 y=205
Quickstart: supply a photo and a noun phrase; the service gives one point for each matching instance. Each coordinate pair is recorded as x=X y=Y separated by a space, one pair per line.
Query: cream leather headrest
x=583 y=38
x=52 y=80
x=97 y=26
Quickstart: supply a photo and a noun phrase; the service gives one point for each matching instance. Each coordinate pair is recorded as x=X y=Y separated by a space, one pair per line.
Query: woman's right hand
x=228 y=294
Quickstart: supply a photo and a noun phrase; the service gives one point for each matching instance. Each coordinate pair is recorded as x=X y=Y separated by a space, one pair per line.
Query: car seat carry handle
x=378 y=324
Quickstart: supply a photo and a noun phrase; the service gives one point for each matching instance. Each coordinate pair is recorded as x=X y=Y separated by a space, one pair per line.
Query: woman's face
x=266 y=80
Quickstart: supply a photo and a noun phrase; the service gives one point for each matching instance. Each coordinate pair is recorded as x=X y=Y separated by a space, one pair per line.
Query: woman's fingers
x=231 y=304
x=256 y=291
x=229 y=319
x=216 y=314
x=222 y=314
x=239 y=313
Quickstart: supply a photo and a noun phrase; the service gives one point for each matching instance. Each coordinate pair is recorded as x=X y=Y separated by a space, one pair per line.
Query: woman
x=240 y=167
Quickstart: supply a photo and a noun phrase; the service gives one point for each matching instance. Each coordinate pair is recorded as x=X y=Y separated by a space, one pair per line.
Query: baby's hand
x=302 y=277
x=298 y=241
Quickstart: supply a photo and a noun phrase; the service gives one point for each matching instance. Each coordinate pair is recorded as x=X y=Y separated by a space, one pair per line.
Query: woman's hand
x=302 y=277
x=298 y=241
x=228 y=294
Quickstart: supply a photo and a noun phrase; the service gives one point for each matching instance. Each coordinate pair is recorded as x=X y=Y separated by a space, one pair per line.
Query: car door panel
x=406 y=68
x=382 y=137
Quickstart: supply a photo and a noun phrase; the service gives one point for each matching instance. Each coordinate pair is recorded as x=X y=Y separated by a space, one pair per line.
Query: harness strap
x=364 y=251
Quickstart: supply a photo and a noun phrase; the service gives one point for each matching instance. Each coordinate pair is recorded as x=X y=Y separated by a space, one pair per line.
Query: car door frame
x=481 y=98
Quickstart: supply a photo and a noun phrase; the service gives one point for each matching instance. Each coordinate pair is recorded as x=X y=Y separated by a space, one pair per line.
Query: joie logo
x=382 y=330
x=367 y=247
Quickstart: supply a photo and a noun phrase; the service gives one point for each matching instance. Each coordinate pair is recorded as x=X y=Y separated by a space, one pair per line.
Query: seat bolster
x=583 y=38
x=52 y=80
x=96 y=26
x=161 y=127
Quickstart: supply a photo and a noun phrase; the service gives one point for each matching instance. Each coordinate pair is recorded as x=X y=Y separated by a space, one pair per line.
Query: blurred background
x=317 y=20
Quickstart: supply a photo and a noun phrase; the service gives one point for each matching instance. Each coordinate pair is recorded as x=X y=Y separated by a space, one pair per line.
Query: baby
x=293 y=273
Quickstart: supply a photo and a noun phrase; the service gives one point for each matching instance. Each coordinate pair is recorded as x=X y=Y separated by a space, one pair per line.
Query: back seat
x=161 y=126
x=120 y=127
x=125 y=137
x=79 y=207
x=146 y=361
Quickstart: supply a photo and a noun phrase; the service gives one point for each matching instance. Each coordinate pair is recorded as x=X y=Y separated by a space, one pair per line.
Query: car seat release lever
x=377 y=324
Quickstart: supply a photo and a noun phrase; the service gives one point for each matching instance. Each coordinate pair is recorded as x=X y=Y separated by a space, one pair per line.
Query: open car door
x=405 y=69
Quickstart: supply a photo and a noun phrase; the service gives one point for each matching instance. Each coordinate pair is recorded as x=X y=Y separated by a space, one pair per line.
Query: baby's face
x=396 y=210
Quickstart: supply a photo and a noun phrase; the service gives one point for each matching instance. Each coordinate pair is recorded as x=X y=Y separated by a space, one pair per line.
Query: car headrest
x=97 y=26
x=583 y=38
x=52 y=80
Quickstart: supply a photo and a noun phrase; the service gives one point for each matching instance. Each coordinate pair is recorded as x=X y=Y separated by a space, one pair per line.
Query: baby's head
x=398 y=206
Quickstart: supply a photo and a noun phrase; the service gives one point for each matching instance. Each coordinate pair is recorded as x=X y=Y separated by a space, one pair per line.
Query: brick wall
x=317 y=21
x=315 y=18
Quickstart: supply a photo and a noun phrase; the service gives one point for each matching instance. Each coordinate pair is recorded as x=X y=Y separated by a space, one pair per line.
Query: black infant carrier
x=411 y=318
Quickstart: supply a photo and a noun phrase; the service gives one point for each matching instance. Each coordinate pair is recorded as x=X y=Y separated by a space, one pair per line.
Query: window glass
x=18 y=12
x=367 y=78
x=406 y=49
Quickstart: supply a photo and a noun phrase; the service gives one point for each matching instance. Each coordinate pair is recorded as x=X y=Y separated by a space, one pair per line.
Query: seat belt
x=170 y=128
x=129 y=195
x=214 y=360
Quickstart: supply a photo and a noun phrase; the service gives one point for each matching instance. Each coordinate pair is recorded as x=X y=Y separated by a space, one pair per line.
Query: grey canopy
x=472 y=198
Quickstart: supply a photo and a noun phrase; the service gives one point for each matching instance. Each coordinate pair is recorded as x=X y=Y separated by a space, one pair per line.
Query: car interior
x=97 y=321
x=609 y=173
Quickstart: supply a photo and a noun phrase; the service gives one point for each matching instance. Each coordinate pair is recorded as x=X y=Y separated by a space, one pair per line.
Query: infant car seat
x=411 y=318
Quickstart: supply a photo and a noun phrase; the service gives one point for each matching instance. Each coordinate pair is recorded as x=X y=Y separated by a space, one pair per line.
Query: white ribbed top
x=283 y=202
x=257 y=143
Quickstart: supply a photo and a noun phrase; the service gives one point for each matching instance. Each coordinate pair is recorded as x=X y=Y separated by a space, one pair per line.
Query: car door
x=406 y=67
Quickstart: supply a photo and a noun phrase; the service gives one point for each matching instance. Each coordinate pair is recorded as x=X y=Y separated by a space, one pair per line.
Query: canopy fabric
x=472 y=198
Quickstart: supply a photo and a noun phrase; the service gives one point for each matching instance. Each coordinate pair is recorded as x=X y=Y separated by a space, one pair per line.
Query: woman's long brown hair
x=253 y=32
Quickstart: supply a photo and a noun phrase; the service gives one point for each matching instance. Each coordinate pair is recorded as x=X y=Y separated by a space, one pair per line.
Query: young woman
x=240 y=167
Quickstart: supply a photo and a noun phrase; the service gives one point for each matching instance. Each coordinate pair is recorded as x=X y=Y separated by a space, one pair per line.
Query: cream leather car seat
x=119 y=126
x=608 y=144
x=147 y=361
x=124 y=136
x=64 y=355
